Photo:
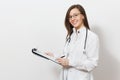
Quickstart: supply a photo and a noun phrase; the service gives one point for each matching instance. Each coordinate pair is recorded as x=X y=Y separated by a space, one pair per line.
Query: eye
x=70 y=16
x=75 y=15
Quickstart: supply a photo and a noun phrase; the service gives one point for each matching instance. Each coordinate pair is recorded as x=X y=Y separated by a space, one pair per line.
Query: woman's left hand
x=63 y=61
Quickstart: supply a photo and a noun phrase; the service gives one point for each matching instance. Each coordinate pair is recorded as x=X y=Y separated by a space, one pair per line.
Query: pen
x=62 y=56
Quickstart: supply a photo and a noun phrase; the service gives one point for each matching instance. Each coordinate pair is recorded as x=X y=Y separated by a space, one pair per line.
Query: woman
x=81 y=48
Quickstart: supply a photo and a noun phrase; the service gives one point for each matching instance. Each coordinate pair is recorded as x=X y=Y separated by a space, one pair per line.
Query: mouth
x=74 y=22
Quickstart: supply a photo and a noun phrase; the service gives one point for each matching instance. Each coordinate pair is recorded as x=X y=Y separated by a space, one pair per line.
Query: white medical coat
x=81 y=64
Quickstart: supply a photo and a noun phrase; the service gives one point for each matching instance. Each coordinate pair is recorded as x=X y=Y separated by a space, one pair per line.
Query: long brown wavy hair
x=68 y=26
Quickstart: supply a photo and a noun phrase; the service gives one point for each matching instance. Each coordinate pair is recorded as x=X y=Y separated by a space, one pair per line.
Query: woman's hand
x=63 y=61
x=49 y=54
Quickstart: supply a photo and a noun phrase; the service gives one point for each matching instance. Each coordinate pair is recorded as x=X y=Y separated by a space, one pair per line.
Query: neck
x=82 y=25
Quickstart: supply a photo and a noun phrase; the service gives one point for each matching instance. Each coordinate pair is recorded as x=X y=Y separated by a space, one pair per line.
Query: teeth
x=74 y=22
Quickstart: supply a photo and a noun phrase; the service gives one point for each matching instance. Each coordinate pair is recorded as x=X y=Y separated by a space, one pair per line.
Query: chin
x=75 y=26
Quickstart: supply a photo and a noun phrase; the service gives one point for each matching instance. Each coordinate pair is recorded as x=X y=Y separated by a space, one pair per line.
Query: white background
x=25 y=24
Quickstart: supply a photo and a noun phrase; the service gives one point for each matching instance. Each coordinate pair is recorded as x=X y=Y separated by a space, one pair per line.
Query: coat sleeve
x=89 y=60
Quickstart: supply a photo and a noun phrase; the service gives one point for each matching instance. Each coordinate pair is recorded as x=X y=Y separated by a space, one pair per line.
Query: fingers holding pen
x=63 y=61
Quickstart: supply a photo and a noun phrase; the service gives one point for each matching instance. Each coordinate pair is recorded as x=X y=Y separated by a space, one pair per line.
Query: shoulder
x=92 y=35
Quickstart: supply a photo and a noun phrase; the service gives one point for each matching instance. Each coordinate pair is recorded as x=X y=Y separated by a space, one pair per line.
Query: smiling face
x=76 y=18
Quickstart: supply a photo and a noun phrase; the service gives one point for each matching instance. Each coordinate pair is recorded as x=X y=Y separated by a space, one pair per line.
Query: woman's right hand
x=49 y=54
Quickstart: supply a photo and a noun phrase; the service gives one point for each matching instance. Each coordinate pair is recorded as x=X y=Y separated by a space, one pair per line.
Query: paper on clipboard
x=43 y=55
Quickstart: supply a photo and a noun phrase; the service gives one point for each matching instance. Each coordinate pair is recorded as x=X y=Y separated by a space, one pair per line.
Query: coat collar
x=82 y=29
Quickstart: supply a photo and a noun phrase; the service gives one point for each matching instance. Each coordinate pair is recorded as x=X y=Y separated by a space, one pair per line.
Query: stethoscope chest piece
x=84 y=51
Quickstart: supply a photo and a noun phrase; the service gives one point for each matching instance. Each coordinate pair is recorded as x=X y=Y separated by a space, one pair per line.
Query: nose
x=72 y=19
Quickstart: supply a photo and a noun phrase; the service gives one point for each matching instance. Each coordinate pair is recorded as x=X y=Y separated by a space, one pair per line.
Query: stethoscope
x=86 y=35
x=84 y=50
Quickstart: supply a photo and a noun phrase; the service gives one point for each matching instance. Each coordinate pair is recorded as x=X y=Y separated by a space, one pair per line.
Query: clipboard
x=43 y=55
